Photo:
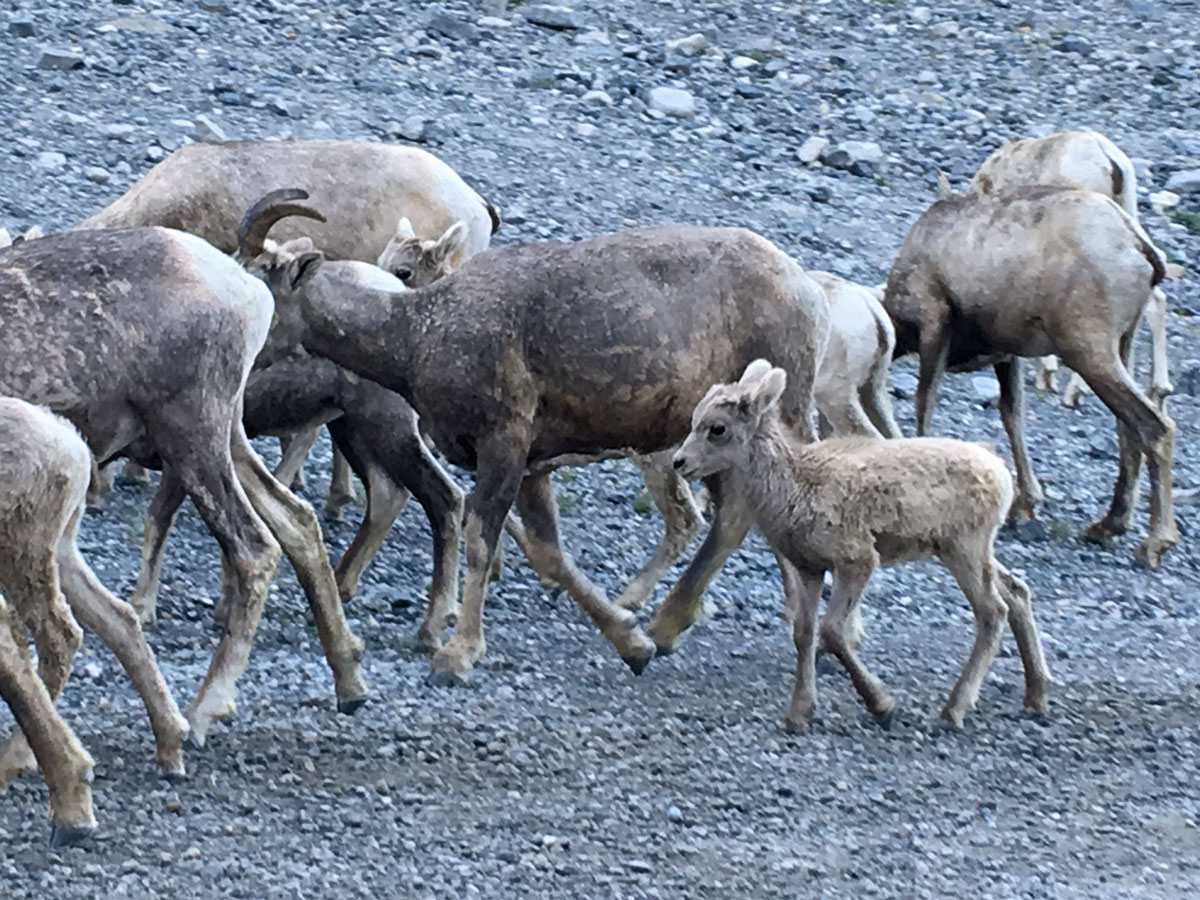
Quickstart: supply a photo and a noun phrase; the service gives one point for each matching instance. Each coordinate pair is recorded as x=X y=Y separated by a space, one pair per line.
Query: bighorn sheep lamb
x=143 y=338
x=45 y=471
x=538 y=355
x=991 y=278
x=851 y=505
x=363 y=188
x=1087 y=160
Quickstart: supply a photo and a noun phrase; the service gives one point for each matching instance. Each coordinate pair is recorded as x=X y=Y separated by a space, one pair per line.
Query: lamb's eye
x=403 y=274
x=716 y=431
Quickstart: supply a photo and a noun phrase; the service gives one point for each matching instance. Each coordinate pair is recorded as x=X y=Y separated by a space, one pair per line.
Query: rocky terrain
x=557 y=773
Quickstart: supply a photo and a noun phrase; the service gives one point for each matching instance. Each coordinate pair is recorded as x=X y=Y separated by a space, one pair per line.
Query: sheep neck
x=777 y=479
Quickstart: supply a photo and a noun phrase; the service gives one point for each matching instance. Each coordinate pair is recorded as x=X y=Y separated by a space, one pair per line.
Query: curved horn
x=265 y=213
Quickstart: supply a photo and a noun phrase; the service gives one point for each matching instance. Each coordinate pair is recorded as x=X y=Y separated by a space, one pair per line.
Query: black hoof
x=885 y=721
x=172 y=776
x=70 y=835
x=446 y=679
x=638 y=663
x=348 y=706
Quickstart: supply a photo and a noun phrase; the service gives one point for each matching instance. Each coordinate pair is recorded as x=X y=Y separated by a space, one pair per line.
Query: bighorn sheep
x=45 y=470
x=1089 y=161
x=851 y=392
x=851 y=505
x=143 y=338
x=363 y=188
x=538 y=355
x=991 y=278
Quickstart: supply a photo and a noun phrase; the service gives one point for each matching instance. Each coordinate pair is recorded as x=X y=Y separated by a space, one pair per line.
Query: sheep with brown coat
x=851 y=505
x=991 y=278
x=538 y=355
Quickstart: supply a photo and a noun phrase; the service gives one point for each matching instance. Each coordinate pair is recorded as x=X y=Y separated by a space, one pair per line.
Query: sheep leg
x=1076 y=388
x=159 y=517
x=681 y=521
x=133 y=473
x=1151 y=432
x=804 y=638
x=1047 y=367
x=1020 y=619
x=1160 y=376
x=876 y=400
x=385 y=501
x=117 y=625
x=65 y=765
x=539 y=513
x=295 y=525
x=682 y=606
x=934 y=349
x=251 y=553
x=847 y=417
x=1129 y=465
x=293 y=450
x=849 y=581
x=972 y=569
x=33 y=588
x=341 y=489
x=497 y=481
x=824 y=427
x=1012 y=414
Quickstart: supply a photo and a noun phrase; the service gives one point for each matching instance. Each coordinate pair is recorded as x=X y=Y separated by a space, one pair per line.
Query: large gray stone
x=1186 y=182
x=672 y=102
x=64 y=60
x=550 y=15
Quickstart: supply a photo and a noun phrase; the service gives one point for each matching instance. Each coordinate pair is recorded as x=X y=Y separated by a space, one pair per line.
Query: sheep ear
x=304 y=266
x=767 y=391
x=943 y=185
x=404 y=228
x=754 y=372
x=450 y=241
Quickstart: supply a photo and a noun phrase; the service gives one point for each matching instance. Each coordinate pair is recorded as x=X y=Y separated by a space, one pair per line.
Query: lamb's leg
x=934 y=348
x=847 y=417
x=971 y=564
x=1020 y=619
x=681 y=607
x=116 y=624
x=1047 y=366
x=293 y=450
x=497 y=480
x=1076 y=388
x=293 y=522
x=539 y=513
x=681 y=521
x=385 y=501
x=849 y=581
x=804 y=637
x=1151 y=432
x=161 y=513
x=33 y=589
x=1012 y=414
x=1160 y=375
x=341 y=488
x=65 y=765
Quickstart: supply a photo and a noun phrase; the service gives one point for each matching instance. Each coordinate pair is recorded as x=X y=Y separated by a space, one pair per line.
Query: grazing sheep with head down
x=990 y=278
x=851 y=505
x=1089 y=161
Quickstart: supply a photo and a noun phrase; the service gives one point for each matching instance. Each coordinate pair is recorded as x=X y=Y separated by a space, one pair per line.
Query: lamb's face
x=419 y=262
x=718 y=436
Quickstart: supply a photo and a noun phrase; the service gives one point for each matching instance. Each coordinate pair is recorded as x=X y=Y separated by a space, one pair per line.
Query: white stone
x=1164 y=200
x=691 y=45
x=810 y=151
x=673 y=102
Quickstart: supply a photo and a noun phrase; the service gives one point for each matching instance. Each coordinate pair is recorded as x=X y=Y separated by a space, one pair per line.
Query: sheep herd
x=275 y=288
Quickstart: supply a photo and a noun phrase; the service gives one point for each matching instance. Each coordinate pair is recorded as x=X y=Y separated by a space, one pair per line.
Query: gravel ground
x=559 y=774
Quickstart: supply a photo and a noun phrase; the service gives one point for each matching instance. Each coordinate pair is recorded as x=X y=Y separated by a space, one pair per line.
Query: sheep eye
x=403 y=274
x=716 y=431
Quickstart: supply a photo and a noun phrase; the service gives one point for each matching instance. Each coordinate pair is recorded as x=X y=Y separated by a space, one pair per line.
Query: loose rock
x=672 y=102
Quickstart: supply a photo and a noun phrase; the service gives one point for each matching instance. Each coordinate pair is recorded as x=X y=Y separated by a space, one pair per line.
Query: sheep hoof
x=440 y=679
x=348 y=706
x=794 y=726
x=884 y=712
x=70 y=835
x=950 y=720
x=638 y=662
x=1103 y=530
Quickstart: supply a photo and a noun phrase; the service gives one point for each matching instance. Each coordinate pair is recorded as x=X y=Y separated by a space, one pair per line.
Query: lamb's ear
x=754 y=372
x=767 y=391
x=304 y=267
x=943 y=185
x=452 y=238
x=404 y=228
